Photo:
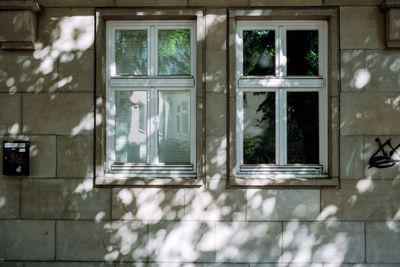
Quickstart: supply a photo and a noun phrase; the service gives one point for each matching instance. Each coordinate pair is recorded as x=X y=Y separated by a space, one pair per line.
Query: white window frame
x=280 y=84
x=152 y=84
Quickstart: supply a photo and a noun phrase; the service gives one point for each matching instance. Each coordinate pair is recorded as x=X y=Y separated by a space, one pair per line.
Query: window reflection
x=259 y=127
x=258 y=52
x=174 y=134
x=130 y=126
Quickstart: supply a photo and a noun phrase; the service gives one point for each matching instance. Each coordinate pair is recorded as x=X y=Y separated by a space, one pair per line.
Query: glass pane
x=302 y=128
x=259 y=52
x=302 y=53
x=259 y=128
x=131 y=126
x=131 y=52
x=174 y=52
x=174 y=134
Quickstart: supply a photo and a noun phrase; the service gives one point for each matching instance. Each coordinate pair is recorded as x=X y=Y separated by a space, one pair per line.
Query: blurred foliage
x=174 y=52
x=259 y=52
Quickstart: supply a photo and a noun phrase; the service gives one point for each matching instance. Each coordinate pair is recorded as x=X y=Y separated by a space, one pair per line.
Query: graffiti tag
x=386 y=156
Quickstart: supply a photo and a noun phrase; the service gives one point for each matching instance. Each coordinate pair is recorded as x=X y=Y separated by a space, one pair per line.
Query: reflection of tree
x=131 y=52
x=302 y=53
x=259 y=52
x=302 y=130
x=260 y=149
x=302 y=127
x=174 y=52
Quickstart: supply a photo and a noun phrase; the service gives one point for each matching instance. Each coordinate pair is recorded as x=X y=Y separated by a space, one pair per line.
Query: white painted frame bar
x=281 y=84
x=152 y=83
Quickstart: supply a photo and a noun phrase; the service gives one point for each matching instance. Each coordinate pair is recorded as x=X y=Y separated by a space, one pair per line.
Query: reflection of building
x=174 y=135
x=131 y=126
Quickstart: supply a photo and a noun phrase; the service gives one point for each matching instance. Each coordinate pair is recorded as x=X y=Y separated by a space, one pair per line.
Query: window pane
x=302 y=128
x=259 y=52
x=131 y=52
x=130 y=126
x=174 y=52
x=302 y=53
x=174 y=137
x=259 y=128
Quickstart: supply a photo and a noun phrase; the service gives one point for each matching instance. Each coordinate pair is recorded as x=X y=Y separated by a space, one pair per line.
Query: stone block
x=369 y=114
x=76 y=3
x=219 y=3
x=9 y=198
x=101 y=241
x=216 y=157
x=361 y=200
x=329 y=242
x=147 y=204
x=23 y=71
x=361 y=28
x=334 y=133
x=76 y=71
x=216 y=114
x=216 y=28
x=354 y=75
x=60 y=264
x=249 y=242
x=281 y=205
x=10 y=113
x=394 y=27
x=75 y=156
x=286 y=2
x=42 y=155
x=61 y=113
x=182 y=241
x=351 y=157
x=216 y=71
x=66 y=29
x=352 y=2
x=382 y=241
x=18 y=26
x=64 y=199
x=215 y=202
x=11 y=264
x=151 y=3
x=371 y=146
x=384 y=69
x=27 y=240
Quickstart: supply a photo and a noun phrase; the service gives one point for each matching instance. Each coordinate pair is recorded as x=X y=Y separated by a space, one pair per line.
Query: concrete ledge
x=18 y=20
x=391 y=9
x=147 y=182
x=283 y=183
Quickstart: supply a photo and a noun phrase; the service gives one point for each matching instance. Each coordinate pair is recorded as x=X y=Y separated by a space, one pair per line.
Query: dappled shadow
x=358 y=223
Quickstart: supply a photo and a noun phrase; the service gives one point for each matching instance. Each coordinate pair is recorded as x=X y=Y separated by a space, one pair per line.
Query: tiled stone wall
x=55 y=217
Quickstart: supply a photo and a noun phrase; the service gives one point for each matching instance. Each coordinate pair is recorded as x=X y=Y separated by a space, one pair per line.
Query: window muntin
x=145 y=82
x=300 y=131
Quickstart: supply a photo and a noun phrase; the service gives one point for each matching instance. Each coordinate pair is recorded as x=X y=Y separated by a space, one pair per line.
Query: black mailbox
x=16 y=158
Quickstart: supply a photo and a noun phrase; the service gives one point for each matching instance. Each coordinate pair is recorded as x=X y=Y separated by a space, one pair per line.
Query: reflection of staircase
x=172 y=150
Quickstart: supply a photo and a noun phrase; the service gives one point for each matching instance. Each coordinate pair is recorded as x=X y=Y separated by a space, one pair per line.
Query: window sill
x=134 y=181
x=280 y=182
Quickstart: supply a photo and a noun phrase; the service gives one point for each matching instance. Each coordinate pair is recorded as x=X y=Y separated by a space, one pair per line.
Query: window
x=151 y=98
x=281 y=99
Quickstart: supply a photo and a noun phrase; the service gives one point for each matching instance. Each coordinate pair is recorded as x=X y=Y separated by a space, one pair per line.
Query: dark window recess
x=302 y=53
x=302 y=128
x=258 y=52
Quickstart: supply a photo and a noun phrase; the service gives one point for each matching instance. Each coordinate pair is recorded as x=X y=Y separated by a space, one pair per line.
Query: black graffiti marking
x=381 y=158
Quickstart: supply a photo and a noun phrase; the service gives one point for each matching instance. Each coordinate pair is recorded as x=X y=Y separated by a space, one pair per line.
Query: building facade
x=201 y=133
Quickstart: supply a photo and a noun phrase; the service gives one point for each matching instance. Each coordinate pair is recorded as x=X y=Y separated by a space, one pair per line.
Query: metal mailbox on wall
x=16 y=158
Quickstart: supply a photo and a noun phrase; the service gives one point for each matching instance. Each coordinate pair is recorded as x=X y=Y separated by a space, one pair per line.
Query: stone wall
x=55 y=217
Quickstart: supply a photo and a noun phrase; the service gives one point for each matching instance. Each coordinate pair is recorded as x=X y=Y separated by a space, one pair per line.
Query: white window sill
x=150 y=175
x=290 y=176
